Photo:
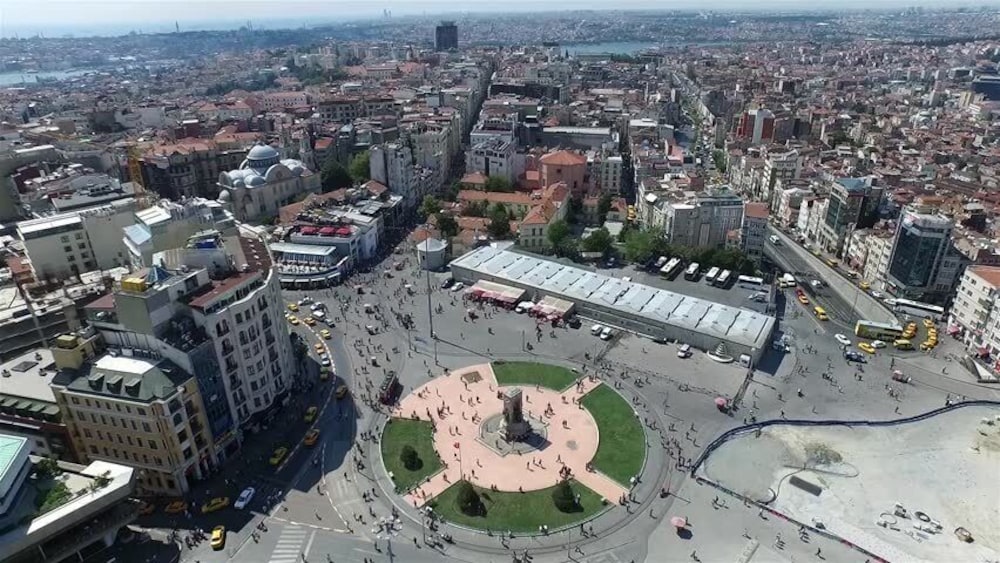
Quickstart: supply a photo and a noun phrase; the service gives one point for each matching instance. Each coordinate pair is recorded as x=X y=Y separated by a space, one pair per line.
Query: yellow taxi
x=176 y=507
x=311 y=414
x=903 y=344
x=866 y=347
x=341 y=391
x=319 y=347
x=294 y=320
x=218 y=503
x=927 y=345
x=218 y=537
x=928 y=323
x=278 y=455
x=311 y=437
x=325 y=333
x=293 y=307
x=309 y=321
x=147 y=508
x=803 y=299
x=864 y=285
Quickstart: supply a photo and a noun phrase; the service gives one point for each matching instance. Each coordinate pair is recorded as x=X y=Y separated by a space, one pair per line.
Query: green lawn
x=531 y=373
x=517 y=512
x=417 y=434
x=622 y=446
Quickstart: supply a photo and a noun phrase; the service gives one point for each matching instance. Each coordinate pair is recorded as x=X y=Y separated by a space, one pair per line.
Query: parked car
x=843 y=340
x=278 y=455
x=607 y=333
x=684 y=351
x=311 y=437
x=311 y=414
x=217 y=503
x=878 y=344
x=457 y=287
x=596 y=329
x=447 y=283
x=245 y=497
x=218 y=537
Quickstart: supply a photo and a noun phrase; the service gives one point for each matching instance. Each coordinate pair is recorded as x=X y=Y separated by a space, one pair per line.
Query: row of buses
x=670 y=267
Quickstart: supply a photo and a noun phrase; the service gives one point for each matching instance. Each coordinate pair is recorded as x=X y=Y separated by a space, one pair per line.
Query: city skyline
x=118 y=18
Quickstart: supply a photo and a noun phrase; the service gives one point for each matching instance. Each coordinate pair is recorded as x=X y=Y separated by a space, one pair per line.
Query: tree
x=429 y=206
x=498 y=184
x=48 y=467
x=447 y=225
x=558 y=233
x=603 y=206
x=334 y=176
x=575 y=207
x=598 y=241
x=499 y=226
x=477 y=208
x=409 y=457
x=720 y=160
x=359 y=167
x=564 y=498
x=641 y=246
x=468 y=499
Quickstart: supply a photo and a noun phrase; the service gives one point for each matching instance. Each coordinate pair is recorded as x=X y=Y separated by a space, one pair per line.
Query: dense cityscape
x=682 y=286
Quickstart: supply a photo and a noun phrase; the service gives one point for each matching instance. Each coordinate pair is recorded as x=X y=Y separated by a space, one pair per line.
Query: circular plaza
x=517 y=446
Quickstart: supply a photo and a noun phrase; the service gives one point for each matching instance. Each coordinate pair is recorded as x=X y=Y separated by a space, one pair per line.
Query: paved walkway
x=473 y=390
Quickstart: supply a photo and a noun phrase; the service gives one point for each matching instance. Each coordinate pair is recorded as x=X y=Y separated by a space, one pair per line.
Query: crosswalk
x=289 y=545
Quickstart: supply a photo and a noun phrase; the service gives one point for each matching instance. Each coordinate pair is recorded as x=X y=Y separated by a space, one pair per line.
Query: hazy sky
x=55 y=17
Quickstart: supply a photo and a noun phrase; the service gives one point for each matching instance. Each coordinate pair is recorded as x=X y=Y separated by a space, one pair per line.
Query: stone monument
x=514 y=427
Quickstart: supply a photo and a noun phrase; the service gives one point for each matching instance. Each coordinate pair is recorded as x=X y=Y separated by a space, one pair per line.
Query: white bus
x=750 y=282
x=671 y=268
x=711 y=275
x=723 y=279
x=691 y=273
x=918 y=309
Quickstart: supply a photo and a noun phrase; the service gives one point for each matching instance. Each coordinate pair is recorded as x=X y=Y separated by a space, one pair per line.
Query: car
x=457 y=287
x=318 y=307
x=878 y=344
x=574 y=322
x=341 y=392
x=278 y=455
x=293 y=307
x=866 y=347
x=311 y=437
x=218 y=537
x=903 y=344
x=244 y=498
x=147 y=508
x=325 y=333
x=854 y=356
x=803 y=299
x=684 y=351
x=927 y=345
x=309 y=321
x=294 y=320
x=660 y=340
x=176 y=507
x=305 y=301
x=864 y=285
x=324 y=360
x=843 y=340
x=928 y=323
x=447 y=283
x=324 y=375
x=596 y=329
x=319 y=347
x=607 y=333
x=217 y=503
x=878 y=295
x=311 y=414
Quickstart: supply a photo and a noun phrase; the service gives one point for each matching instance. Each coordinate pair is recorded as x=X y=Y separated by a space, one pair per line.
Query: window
x=142 y=412
x=71 y=258
x=86 y=432
x=152 y=445
x=65 y=238
x=145 y=427
x=129 y=438
x=75 y=400
x=67 y=249
x=81 y=246
x=79 y=236
x=93 y=450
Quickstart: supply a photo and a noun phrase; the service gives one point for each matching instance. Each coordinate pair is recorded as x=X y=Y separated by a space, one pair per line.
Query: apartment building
x=213 y=308
x=779 y=167
x=704 y=221
x=924 y=264
x=274 y=101
x=494 y=157
x=753 y=231
x=142 y=412
x=28 y=408
x=169 y=224
x=975 y=315
x=609 y=170
x=189 y=167
x=392 y=165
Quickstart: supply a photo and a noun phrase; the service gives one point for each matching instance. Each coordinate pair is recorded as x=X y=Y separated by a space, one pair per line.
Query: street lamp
x=430 y=310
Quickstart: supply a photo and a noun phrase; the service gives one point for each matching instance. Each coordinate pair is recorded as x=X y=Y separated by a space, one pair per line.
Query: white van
x=774 y=240
x=684 y=351
x=318 y=315
x=524 y=307
x=596 y=329
x=606 y=334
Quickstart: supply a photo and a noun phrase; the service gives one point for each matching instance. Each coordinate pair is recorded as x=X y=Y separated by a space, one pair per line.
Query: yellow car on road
x=325 y=333
x=311 y=437
x=176 y=507
x=342 y=391
x=294 y=320
x=864 y=285
x=866 y=347
x=293 y=307
x=218 y=503
x=218 y=537
x=278 y=455
x=309 y=321
x=803 y=299
x=311 y=414
x=319 y=347
x=147 y=508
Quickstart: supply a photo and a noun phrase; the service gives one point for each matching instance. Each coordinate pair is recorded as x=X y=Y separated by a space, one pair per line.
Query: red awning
x=954 y=329
x=308 y=230
x=983 y=351
x=327 y=231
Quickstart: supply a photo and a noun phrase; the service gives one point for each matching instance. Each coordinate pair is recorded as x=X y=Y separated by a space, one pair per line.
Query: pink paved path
x=573 y=446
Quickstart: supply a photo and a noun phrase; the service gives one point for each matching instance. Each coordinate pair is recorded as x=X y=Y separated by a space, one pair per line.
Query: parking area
x=734 y=295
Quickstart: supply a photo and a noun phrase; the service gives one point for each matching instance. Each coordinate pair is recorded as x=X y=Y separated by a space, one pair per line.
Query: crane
x=142 y=199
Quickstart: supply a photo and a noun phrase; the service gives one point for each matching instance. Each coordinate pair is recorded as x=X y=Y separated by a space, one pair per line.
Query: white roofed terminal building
x=628 y=305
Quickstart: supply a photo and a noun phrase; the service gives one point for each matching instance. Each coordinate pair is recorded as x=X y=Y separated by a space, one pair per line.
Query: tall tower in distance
x=446 y=36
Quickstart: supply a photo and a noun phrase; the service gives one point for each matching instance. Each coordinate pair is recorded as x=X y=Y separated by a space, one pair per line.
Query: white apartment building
x=753 y=232
x=789 y=204
x=975 y=312
x=779 y=166
x=270 y=101
x=494 y=157
x=609 y=175
x=265 y=183
x=168 y=224
x=391 y=164
x=69 y=244
x=705 y=221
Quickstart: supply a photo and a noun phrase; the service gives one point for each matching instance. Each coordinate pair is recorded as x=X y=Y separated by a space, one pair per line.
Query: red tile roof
x=564 y=158
x=756 y=210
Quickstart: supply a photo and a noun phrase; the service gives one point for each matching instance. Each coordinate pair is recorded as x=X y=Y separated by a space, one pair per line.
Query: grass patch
x=532 y=373
x=517 y=512
x=52 y=497
x=622 y=446
x=417 y=434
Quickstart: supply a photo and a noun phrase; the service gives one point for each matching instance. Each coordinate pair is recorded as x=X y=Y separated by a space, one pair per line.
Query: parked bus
x=821 y=314
x=723 y=279
x=750 y=282
x=918 y=309
x=713 y=272
x=691 y=273
x=878 y=331
x=671 y=268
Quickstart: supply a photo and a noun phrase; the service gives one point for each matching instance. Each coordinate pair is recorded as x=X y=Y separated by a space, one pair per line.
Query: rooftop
x=10 y=449
x=129 y=378
x=28 y=376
